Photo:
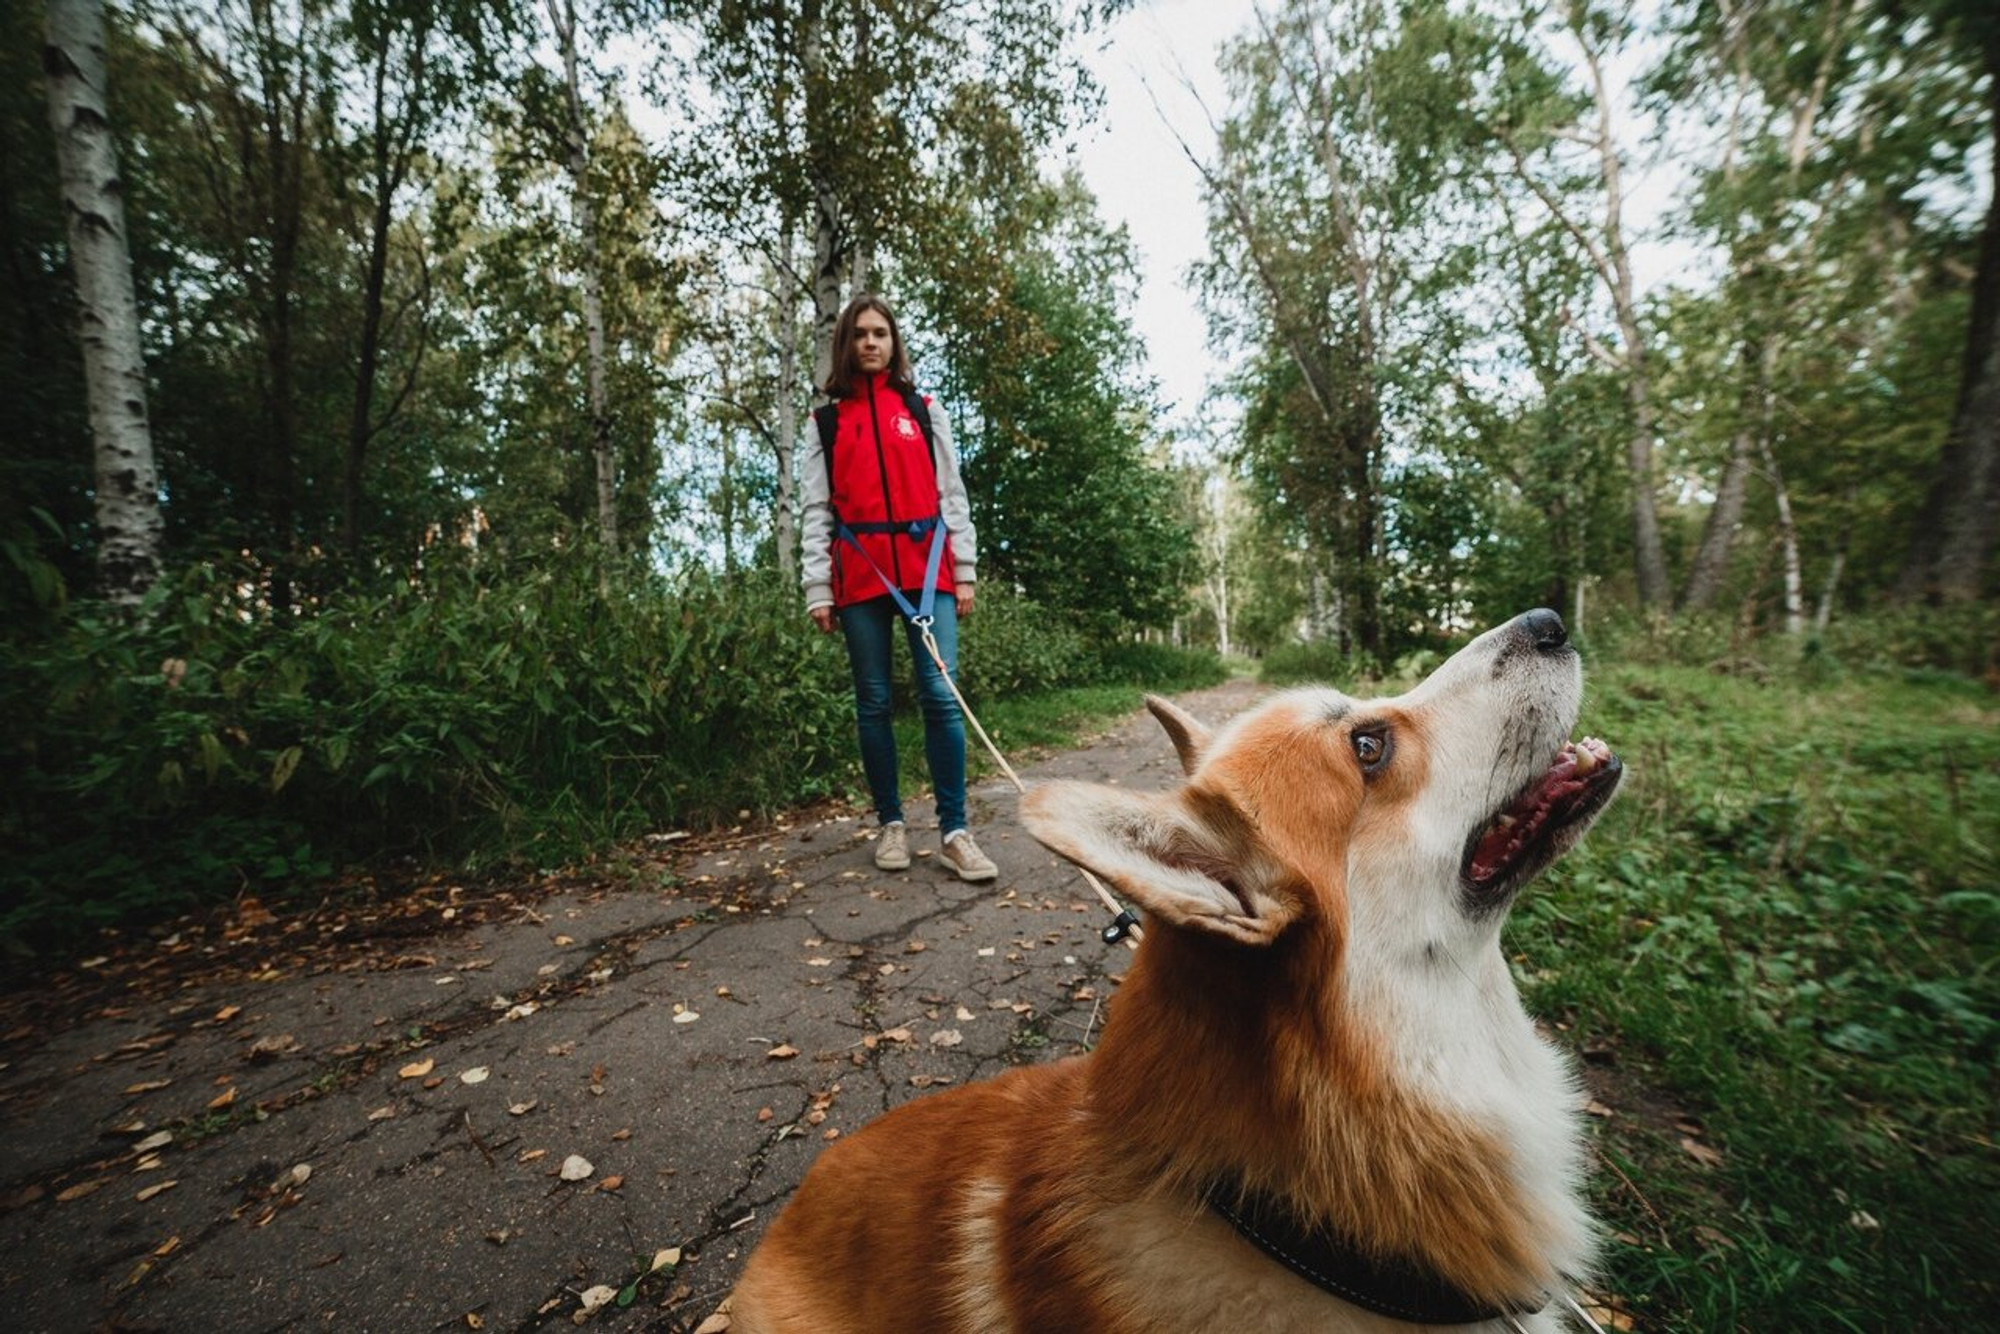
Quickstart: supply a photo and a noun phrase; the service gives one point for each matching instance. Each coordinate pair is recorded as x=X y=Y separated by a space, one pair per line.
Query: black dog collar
x=1333 y=1265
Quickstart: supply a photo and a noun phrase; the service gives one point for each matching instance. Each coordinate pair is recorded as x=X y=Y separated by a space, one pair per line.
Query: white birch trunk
x=787 y=409
x=1788 y=542
x=114 y=368
x=1648 y=554
x=562 y=13
x=830 y=246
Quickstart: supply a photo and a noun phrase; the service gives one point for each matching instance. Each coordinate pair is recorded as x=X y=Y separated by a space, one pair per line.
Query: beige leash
x=1123 y=923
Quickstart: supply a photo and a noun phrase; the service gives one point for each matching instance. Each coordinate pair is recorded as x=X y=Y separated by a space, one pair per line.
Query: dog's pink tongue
x=1520 y=821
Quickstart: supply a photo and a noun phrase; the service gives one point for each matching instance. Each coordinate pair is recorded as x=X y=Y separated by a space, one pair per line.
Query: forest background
x=429 y=497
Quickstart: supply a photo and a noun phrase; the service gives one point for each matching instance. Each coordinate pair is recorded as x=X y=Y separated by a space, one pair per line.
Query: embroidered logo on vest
x=906 y=428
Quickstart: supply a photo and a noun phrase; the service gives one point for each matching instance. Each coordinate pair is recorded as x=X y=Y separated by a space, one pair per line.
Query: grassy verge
x=1779 y=945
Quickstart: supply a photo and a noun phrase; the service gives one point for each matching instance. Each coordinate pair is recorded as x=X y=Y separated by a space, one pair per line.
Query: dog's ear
x=1185 y=857
x=1190 y=738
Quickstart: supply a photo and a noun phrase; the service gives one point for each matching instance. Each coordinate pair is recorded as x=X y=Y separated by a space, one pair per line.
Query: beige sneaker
x=892 y=849
x=965 y=859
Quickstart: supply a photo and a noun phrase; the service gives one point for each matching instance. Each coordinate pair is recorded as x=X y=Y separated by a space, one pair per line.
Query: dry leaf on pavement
x=417 y=1069
x=784 y=1051
x=576 y=1167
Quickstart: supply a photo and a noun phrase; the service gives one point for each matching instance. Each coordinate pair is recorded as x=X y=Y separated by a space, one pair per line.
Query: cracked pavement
x=645 y=1030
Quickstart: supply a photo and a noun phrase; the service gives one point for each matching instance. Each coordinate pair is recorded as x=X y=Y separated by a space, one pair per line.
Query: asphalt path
x=526 y=1110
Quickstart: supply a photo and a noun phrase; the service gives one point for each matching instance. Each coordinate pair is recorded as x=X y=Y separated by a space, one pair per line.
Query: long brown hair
x=846 y=372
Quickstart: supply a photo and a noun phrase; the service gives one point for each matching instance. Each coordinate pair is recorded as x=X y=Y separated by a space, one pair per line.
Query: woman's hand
x=965 y=599
x=823 y=618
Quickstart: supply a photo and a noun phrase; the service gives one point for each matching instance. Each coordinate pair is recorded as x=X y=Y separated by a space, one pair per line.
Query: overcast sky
x=1142 y=179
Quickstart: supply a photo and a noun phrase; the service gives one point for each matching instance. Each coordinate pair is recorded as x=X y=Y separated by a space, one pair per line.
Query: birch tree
x=127 y=484
x=562 y=19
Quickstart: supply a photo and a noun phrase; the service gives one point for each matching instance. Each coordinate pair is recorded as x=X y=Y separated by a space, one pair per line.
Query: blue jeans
x=870 y=630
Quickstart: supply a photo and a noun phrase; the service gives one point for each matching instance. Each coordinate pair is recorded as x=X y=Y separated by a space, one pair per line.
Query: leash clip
x=1121 y=927
x=923 y=622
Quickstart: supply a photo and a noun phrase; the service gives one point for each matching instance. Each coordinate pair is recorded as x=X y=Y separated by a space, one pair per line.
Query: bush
x=215 y=747
x=1318 y=662
x=476 y=716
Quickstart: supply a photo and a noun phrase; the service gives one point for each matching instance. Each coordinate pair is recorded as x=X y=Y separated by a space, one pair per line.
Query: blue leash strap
x=919 y=615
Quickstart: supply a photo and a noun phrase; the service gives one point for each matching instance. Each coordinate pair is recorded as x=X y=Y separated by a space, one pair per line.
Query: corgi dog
x=1317 y=1103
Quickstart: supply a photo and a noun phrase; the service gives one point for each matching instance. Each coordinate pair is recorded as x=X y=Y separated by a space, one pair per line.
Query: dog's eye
x=1371 y=748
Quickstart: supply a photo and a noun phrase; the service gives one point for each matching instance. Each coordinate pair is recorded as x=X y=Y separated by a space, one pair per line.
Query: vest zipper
x=888 y=504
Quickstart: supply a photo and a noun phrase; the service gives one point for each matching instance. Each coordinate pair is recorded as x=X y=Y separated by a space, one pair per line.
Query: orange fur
x=1231 y=1051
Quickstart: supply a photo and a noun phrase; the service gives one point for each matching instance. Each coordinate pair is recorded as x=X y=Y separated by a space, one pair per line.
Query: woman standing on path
x=888 y=536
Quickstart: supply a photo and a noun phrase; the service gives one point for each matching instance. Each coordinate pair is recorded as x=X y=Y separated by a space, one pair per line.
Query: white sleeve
x=815 y=521
x=952 y=502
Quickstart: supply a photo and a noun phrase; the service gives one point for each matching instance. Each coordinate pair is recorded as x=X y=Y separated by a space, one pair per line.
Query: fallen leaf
x=476 y=1075
x=159 y=1139
x=886 y=969
x=147 y=1086
x=166 y=1248
x=523 y=1108
x=965 y=1016
x=764 y=1114
x=298 y=1176
x=664 y=1258
x=925 y=1081
x=832 y=1133
x=576 y=1167
x=819 y=963
x=81 y=1189
x=946 y=1037
x=227 y=1012
x=474 y=1320
x=611 y=1183
x=784 y=1051
x=896 y=1035
x=382 y=1114
x=222 y=1099
x=915 y=947
x=433 y=1081
x=986 y=952
x=595 y=1298
x=622 y=1135
x=417 y=1069
x=1598 y=1109
x=278 y=1044
x=529 y=1155
x=564 y=940
x=149 y=1192
x=686 y=1017
x=1701 y=1153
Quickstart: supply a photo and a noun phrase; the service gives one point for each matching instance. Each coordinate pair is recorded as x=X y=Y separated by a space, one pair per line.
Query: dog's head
x=1401 y=825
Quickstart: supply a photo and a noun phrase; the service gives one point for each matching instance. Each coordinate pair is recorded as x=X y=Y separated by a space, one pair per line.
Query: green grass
x=1786 y=929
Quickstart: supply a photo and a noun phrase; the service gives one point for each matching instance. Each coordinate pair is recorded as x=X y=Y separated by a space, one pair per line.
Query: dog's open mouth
x=1544 y=821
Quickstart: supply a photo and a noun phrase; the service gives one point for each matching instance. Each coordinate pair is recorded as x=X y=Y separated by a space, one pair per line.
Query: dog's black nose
x=1545 y=628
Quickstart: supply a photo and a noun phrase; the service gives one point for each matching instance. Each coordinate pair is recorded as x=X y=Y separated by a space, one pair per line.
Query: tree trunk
x=564 y=19
x=1788 y=542
x=1711 y=560
x=386 y=179
x=787 y=409
x=831 y=243
x=1824 y=612
x=1953 y=542
x=1648 y=556
x=127 y=483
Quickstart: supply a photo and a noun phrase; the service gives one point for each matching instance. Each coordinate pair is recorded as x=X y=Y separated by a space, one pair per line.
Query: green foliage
x=1787 y=922
x=1298 y=663
x=476 y=714
x=1072 y=504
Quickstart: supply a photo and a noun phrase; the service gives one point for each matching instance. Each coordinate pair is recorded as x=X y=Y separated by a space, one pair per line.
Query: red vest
x=882 y=473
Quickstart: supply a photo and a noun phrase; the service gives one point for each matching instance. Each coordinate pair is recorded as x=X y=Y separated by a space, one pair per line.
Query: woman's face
x=872 y=341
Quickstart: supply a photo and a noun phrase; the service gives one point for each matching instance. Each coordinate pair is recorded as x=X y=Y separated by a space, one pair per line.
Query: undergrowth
x=475 y=717
x=1787 y=926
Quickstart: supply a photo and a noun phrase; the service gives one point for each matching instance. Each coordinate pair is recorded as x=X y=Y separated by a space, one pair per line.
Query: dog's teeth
x=1586 y=759
x=1508 y=822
